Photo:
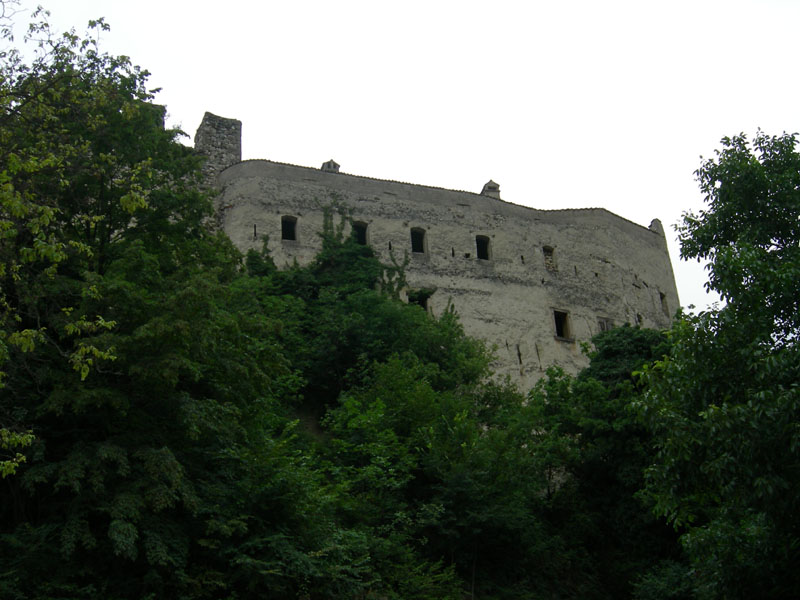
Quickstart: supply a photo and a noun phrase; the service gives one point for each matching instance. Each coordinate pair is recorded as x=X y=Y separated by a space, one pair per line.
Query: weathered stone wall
x=552 y=279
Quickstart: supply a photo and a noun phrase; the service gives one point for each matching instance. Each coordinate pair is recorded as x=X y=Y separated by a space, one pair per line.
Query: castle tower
x=220 y=140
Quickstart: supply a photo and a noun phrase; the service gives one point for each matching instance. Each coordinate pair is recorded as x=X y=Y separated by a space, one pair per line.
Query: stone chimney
x=492 y=189
x=220 y=140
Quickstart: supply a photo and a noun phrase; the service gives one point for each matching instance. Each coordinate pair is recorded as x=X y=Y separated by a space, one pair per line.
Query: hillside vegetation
x=180 y=421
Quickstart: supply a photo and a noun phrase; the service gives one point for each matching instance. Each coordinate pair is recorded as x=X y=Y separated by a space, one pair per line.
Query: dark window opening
x=664 y=305
x=289 y=228
x=605 y=324
x=420 y=297
x=562 y=324
x=255 y=235
x=418 y=240
x=549 y=258
x=482 y=244
x=360 y=232
x=453 y=252
x=522 y=258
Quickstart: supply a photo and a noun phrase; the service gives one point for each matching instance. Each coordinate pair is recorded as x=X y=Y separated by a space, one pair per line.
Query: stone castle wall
x=532 y=283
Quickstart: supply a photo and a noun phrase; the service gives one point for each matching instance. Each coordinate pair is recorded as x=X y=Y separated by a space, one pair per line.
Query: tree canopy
x=725 y=404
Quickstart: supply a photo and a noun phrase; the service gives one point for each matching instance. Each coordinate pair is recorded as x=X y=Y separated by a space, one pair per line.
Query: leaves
x=724 y=404
x=9 y=441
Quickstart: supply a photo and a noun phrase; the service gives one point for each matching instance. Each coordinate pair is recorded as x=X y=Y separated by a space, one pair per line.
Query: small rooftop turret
x=655 y=225
x=492 y=189
x=331 y=166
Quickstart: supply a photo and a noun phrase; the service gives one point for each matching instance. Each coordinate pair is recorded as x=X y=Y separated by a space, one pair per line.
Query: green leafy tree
x=595 y=451
x=724 y=406
x=445 y=482
x=150 y=382
x=11 y=441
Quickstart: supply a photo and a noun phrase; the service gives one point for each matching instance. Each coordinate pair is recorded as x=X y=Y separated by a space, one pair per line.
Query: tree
x=596 y=451
x=449 y=482
x=161 y=383
x=724 y=405
x=149 y=382
x=13 y=441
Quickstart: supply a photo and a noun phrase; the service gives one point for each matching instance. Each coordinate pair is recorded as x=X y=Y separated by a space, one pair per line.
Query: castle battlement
x=533 y=283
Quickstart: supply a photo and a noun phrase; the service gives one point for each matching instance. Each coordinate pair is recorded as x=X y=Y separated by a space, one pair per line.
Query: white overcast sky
x=565 y=104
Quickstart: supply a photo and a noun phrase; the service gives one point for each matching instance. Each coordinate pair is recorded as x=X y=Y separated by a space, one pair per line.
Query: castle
x=533 y=283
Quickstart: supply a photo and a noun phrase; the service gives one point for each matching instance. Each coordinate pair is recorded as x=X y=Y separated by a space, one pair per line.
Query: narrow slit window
x=482 y=246
x=563 y=329
x=664 y=305
x=605 y=324
x=360 y=232
x=549 y=258
x=289 y=228
x=418 y=240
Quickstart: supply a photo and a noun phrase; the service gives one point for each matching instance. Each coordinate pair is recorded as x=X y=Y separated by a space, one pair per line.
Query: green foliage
x=622 y=351
x=725 y=404
x=142 y=387
x=85 y=167
x=749 y=233
x=595 y=453
x=669 y=580
x=10 y=440
x=441 y=475
x=163 y=387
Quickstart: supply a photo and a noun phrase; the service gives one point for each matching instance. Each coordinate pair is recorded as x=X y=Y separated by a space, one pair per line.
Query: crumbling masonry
x=533 y=283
